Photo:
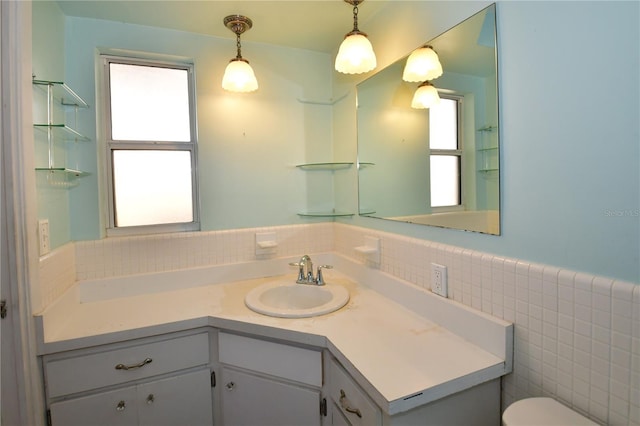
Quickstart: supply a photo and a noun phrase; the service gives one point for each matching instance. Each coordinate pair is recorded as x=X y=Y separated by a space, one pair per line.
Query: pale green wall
x=569 y=111
x=48 y=64
x=248 y=144
x=569 y=127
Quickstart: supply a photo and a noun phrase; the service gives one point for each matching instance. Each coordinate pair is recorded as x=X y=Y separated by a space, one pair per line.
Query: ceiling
x=318 y=25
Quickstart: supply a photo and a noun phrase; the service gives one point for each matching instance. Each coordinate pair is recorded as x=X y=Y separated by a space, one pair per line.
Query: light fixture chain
x=238 y=46
x=355 y=17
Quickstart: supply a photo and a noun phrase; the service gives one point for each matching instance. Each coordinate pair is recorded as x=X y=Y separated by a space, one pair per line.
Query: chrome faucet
x=305 y=271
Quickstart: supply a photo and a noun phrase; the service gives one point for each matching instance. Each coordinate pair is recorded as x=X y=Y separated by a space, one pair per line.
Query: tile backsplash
x=577 y=336
x=158 y=253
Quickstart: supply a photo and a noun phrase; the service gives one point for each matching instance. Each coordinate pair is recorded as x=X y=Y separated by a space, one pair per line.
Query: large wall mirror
x=437 y=166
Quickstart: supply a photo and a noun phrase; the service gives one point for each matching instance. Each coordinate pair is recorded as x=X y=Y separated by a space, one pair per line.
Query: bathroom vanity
x=116 y=355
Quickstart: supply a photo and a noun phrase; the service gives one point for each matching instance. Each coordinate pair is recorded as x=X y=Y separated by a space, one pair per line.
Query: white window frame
x=455 y=152
x=113 y=145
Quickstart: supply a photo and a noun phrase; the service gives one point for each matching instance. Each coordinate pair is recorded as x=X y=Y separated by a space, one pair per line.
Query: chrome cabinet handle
x=121 y=406
x=133 y=367
x=150 y=399
x=343 y=404
x=230 y=386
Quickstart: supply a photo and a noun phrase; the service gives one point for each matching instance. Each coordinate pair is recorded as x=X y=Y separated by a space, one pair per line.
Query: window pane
x=152 y=187
x=443 y=125
x=445 y=180
x=149 y=103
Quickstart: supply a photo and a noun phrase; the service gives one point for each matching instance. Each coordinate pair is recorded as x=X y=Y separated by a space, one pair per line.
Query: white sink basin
x=290 y=300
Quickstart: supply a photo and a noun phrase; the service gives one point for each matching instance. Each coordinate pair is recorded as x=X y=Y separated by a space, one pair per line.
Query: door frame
x=19 y=211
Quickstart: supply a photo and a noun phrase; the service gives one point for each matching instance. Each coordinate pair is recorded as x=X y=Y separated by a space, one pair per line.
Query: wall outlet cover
x=43 y=235
x=439 y=279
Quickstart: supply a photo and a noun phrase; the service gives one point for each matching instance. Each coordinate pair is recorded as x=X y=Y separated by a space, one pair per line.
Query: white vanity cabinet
x=155 y=381
x=268 y=383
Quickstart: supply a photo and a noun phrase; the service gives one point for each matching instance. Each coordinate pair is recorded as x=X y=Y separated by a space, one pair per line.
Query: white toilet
x=542 y=412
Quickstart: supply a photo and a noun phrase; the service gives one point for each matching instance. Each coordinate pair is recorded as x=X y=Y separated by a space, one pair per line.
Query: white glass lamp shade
x=425 y=97
x=239 y=77
x=355 y=55
x=422 y=65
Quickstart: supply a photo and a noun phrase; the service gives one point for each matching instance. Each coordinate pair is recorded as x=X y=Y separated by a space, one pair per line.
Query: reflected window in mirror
x=410 y=166
x=445 y=154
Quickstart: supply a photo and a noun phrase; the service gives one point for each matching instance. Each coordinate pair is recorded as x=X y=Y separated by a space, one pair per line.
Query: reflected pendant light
x=422 y=65
x=239 y=76
x=425 y=97
x=355 y=55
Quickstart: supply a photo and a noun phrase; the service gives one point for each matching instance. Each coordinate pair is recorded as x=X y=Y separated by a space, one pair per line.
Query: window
x=151 y=145
x=445 y=152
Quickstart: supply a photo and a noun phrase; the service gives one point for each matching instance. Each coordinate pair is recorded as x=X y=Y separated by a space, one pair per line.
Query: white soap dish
x=266 y=243
x=366 y=250
x=371 y=249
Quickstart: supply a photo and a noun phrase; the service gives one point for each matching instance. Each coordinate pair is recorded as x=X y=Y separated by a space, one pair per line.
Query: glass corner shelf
x=487 y=128
x=326 y=214
x=62 y=171
x=63 y=131
x=489 y=148
x=63 y=93
x=58 y=177
x=488 y=170
x=325 y=166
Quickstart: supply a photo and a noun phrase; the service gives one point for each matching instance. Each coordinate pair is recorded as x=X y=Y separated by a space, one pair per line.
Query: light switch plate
x=439 y=279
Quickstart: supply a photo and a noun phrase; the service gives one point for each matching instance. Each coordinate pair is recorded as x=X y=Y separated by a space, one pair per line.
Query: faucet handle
x=320 y=278
x=301 y=277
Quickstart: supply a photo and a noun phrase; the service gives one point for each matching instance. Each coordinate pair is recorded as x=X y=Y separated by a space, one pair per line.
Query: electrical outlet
x=439 y=279
x=43 y=235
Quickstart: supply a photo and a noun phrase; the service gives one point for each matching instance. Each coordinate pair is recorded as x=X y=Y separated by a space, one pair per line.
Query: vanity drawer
x=275 y=359
x=350 y=399
x=92 y=370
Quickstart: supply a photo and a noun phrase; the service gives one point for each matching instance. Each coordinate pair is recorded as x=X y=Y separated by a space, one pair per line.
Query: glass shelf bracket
x=326 y=214
x=325 y=166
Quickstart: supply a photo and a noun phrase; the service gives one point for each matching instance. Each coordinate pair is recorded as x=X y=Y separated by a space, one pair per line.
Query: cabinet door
x=352 y=401
x=179 y=400
x=112 y=408
x=252 y=400
x=337 y=419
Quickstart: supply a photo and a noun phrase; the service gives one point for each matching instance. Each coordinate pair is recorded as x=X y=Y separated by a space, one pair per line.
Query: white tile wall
x=57 y=274
x=577 y=336
x=158 y=253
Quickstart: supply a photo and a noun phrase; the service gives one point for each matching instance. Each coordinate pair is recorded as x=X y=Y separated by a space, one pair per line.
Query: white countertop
x=402 y=359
